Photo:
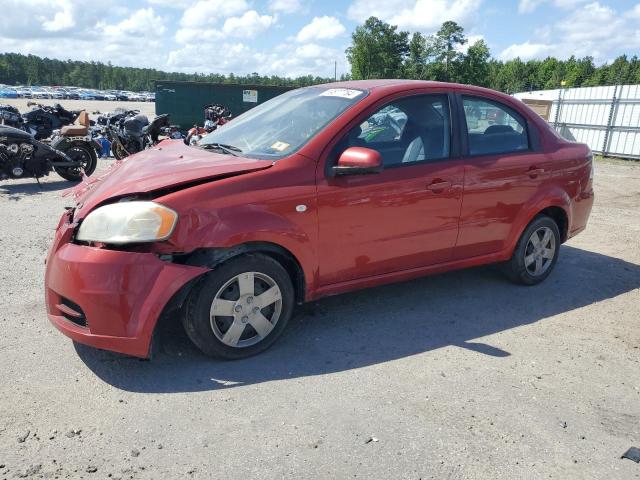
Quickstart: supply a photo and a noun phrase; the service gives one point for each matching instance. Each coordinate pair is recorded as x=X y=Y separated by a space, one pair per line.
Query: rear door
x=504 y=167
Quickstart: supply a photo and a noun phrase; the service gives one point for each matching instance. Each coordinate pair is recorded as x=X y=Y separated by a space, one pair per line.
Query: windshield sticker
x=280 y=146
x=342 y=93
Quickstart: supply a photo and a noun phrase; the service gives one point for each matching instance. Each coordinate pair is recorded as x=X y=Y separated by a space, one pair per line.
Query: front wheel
x=536 y=253
x=240 y=308
x=83 y=154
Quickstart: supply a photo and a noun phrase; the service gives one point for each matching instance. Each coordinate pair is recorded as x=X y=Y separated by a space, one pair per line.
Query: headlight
x=128 y=222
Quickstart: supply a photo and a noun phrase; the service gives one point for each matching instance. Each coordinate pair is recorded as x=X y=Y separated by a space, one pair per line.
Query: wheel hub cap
x=246 y=309
x=540 y=251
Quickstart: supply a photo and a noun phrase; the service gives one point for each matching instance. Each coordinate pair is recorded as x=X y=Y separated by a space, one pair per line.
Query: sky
x=296 y=37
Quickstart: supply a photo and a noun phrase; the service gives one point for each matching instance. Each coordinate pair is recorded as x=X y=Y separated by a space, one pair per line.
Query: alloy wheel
x=246 y=309
x=540 y=251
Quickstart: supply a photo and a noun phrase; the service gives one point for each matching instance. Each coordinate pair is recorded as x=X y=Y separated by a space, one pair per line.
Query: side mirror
x=358 y=160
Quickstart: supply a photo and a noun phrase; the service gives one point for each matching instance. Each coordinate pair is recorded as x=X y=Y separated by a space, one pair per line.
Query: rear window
x=493 y=128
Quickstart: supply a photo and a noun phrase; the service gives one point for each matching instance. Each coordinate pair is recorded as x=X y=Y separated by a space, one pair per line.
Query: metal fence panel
x=605 y=118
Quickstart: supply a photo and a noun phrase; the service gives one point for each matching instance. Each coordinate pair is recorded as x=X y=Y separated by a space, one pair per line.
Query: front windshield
x=285 y=123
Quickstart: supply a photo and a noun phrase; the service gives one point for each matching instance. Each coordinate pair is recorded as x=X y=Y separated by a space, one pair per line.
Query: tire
x=80 y=152
x=118 y=151
x=531 y=264
x=235 y=336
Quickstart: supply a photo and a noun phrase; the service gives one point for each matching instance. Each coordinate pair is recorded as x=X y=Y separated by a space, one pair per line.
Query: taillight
x=591 y=172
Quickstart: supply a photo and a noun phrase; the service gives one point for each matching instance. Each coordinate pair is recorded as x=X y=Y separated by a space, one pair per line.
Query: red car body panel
x=168 y=165
x=353 y=232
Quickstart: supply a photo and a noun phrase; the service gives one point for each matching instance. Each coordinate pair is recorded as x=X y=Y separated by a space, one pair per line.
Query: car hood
x=169 y=165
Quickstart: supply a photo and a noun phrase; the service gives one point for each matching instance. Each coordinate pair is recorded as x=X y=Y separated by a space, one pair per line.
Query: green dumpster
x=185 y=101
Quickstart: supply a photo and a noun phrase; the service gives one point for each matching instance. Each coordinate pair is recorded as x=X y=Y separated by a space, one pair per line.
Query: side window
x=408 y=130
x=493 y=128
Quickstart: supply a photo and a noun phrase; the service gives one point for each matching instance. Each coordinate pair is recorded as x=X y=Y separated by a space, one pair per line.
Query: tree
x=475 y=65
x=444 y=47
x=377 y=50
x=16 y=69
x=415 y=66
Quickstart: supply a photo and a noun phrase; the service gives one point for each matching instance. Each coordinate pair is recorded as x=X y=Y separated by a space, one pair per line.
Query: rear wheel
x=118 y=151
x=83 y=154
x=240 y=308
x=536 y=253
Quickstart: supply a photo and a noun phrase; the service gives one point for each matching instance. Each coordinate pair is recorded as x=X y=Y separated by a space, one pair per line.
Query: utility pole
x=335 y=70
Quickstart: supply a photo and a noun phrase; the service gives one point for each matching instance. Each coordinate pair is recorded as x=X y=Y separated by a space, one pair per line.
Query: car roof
x=398 y=85
x=388 y=82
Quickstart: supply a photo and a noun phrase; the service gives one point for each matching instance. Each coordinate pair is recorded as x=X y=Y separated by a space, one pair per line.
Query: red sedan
x=319 y=191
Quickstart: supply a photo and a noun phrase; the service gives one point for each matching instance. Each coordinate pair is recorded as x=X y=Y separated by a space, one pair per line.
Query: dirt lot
x=94 y=107
x=461 y=375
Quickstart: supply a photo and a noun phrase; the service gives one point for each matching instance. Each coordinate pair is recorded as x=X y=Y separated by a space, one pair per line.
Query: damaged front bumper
x=106 y=298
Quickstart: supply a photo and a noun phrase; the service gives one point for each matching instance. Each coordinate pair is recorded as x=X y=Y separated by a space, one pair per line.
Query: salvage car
x=319 y=191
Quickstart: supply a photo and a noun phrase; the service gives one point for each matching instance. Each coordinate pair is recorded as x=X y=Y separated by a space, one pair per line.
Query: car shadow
x=32 y=187
x=378 y=325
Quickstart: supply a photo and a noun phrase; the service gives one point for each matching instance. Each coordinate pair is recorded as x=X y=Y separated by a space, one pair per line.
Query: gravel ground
x=461 y=375
x=93 y=107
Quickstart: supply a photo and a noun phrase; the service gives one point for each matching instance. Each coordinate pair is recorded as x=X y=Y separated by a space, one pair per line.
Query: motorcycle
x=77 y=142
x=44 y=121
x=21 y=155
x=10 y=115
x=40 y=121
x=173 y=132
x=132 y=132
x=215 y=115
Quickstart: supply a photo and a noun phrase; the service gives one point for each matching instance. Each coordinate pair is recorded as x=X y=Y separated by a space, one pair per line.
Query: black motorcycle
x=10 y=115
x=40 y=121
x=21 y=155
x=131 y=132
x=53 y=125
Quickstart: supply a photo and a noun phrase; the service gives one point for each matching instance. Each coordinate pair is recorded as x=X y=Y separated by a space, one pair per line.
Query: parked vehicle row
x=74 y=93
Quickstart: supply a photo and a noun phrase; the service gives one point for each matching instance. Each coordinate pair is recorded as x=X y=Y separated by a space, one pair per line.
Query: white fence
x=605 y=118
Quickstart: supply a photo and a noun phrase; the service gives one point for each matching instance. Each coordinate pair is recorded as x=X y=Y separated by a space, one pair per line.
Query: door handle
x=438 y=186
x=533 y=172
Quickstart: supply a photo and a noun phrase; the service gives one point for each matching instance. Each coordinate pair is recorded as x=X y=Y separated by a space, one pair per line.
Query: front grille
x=72 y=312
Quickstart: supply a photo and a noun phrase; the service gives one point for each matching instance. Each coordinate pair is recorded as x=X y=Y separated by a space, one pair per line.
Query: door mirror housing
x=357 y=161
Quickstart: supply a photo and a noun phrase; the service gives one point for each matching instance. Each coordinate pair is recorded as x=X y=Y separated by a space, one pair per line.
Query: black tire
x=118 y=151
x=82 y=153
x=515 y=268
x=197 y=319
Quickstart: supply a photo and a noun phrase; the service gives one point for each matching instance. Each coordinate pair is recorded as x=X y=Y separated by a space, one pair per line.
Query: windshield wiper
x=230 y=149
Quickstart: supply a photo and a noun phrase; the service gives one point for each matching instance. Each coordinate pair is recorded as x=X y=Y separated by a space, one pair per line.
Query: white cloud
x=47 y=19
x=594 y=29
x=416 y=14
x=67 y=29
x=471 y=39
x=201 y=21
x=285 y=6
x=321 y=28
x=142 y=23
x=314 y=51
x=172 y=3
x=207 y=12
x=528 y=6
x=287 y=59
x=526 y=51
x=248 y=25
x=63 y=19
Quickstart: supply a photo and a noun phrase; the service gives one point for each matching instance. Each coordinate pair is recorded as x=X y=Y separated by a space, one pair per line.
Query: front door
x=404 y=217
